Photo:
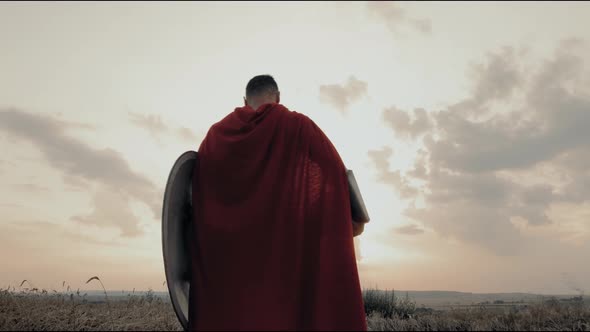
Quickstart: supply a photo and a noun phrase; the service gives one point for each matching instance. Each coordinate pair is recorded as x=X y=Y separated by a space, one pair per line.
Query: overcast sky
x=466 y=125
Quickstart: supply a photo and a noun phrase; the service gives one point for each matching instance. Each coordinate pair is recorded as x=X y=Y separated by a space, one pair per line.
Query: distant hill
x=432 y=299
x=450 y=298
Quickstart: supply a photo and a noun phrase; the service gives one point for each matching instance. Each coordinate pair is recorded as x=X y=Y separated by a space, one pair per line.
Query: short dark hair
x=261 y=84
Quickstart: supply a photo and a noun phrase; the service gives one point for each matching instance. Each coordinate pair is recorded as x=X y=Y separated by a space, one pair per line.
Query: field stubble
x=34 y=310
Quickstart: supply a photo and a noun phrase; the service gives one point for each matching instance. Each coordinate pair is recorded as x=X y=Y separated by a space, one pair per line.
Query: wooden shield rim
x=170 y=281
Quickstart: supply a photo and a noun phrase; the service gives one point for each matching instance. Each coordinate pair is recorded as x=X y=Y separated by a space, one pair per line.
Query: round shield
x=176 y=224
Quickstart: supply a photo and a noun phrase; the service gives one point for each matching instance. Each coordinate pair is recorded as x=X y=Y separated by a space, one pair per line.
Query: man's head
x=262 y=89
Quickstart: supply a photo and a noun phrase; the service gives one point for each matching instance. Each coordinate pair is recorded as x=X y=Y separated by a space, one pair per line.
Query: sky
x=466 y=125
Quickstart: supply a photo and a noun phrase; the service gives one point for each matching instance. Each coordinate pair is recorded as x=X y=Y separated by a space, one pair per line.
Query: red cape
x=274 y=247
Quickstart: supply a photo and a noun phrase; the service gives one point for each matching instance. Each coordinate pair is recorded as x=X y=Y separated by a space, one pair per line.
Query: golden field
x=72 y=311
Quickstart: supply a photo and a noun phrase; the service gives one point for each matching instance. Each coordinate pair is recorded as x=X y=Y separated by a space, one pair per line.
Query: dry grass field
x=40 y=310
x=72 y=312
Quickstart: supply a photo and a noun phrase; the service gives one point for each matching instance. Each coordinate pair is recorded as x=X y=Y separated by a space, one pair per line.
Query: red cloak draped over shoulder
x=274 y=246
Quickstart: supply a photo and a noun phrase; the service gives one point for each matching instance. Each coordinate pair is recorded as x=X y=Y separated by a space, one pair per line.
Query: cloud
x=341 y=96
x=478 y=208
x=112 y=209
x=477 y=225
x=10 y=205
x=403 y=125
x=186 y=134
x=28 y=232
x=156 y=127
x=477 y=175
x=409 y=230
x=33 y=248
x=82 y=165
x=496 y=79
x=396 y=18
x=554 y=121
x=384 y=175
x=30 y=187
x=152 y=123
